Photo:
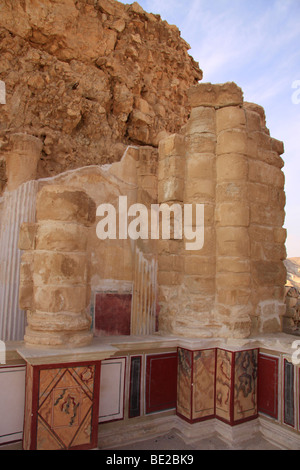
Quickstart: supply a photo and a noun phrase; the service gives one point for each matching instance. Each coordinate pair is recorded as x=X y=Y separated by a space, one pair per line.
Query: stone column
x=232 y=219
x=171 y=174
x=200 y=264
x=267 y=235
x=22 y=159
x=54 y=276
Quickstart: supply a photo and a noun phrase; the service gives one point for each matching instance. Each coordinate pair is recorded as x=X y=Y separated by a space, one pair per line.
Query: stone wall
x=226 y=160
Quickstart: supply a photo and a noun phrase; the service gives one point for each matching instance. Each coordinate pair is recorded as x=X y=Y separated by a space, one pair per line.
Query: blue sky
x=255 y=44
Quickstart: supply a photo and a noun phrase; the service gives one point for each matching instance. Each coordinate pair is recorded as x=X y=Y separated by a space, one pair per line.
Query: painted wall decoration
x=224 y=375
x=204 y=363
x=112 y=384
x=245 y=385
x=288 y=394
x=135 y=387
x=12 y=379
x=161 y=382
x=184 y=402
x=64 y=407
x=268 y=385
x=112 y=314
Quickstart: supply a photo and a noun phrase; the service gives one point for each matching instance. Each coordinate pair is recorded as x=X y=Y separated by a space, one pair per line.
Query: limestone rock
x=88 y=78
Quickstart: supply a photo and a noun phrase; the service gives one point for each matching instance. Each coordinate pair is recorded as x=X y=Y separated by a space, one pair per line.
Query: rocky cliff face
x=90 y=77
x=293 y=272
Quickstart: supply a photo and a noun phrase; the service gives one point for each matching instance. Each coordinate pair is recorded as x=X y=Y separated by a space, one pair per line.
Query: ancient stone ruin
x=101 y=103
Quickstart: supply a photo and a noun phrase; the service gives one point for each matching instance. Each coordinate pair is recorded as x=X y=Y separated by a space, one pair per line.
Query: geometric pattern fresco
x=65 y=407
x=65 y=400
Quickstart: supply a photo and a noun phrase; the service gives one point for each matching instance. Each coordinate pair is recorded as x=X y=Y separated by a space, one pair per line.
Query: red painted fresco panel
x=161 y=382
x=268 y=385
x=112 y=314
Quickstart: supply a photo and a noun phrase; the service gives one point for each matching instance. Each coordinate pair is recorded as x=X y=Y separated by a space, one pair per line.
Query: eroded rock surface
x=89 y=78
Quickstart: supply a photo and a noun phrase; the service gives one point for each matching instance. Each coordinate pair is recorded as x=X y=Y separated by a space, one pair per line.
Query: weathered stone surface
x=27 y=236
x=59 y=236
x=88 y=99
x=218 y=96
x=22 y=157
x=65 y=204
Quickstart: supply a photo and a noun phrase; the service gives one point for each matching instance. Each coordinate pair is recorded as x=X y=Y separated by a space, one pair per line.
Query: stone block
x=173 y=165
x=268 y=273
x=25 y=295
x=264 y=141
x=200 y=166
x=65 y=204
x=232 y=141
x=232 y=265
x=232 y=214
x=166 y=278
x=170 y=263
x=200 y=266
x=54 y=299
x=233 y=241
x=202 y=120
x=235 y=191
x=22 y=160
x=199 y=285
x=218 y=96
x=199 y=191
x=230 y=117
x=280 y=235
x=264 y=173
x=277 y=146
x=171 y=189
x=172 y=145
x=254 y=123
x=208 y=248
x=59 y=269
x=230 y=280
x=231 y=297
x=232 y=167
x=27 y=236
x=259 y=110
x=258 y=193
x=266 y=215
x=59 y=236
x=277 y=197
x=58 y=322
x=270 y=157
x=26 y=267
x=201 y=143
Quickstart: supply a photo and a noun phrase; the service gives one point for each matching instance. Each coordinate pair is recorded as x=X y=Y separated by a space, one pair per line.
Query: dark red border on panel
x=35 y=400
x=283 y=395
x=140 y=383
x=268 y=370
x=150 y=408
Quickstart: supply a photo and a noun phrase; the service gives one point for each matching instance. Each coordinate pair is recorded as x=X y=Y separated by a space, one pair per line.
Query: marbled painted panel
x=204 y=383
x=224 y=384
x=245 y=384
x=184 y=383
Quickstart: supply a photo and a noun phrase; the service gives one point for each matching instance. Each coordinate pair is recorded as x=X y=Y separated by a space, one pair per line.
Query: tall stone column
x=233 y=279
x=200 y=263
x=54 y=285
x=171 y=174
